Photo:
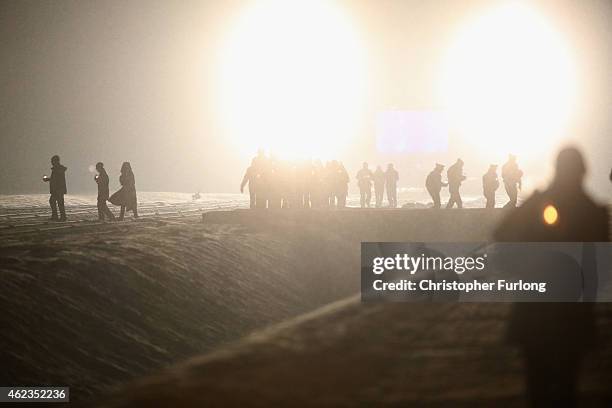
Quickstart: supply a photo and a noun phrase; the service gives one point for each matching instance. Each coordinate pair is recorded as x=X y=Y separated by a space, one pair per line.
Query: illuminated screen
x=411 y=132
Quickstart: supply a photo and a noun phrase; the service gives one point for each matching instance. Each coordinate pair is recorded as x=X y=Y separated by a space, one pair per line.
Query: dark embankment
x=365 y=355
x=92 y=308
x=95 y=307
x=353 y=354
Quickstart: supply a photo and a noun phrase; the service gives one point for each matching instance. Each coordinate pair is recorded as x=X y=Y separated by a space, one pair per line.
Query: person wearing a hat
x=434 y=184
x=490 y=184
x=455 y=176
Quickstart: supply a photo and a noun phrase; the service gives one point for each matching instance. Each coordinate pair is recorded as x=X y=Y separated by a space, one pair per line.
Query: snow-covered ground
x=30 y=212
x=209 y=201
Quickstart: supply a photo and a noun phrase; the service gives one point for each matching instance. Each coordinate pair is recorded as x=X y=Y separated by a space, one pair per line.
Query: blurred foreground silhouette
x=554 y=337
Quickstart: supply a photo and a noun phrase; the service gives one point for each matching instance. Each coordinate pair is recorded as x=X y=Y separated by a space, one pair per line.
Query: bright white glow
x=292 y=79
x=509 y=83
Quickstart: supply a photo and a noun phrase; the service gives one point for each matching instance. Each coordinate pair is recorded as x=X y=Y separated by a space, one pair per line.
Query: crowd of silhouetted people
x=125 y=198
x=511 y=177
x=274 y=183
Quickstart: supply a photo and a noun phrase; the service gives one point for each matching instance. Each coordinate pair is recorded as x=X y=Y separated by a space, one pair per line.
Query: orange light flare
x=550 y=215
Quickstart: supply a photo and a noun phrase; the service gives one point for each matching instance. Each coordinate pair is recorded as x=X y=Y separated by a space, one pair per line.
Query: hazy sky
x=138 y=81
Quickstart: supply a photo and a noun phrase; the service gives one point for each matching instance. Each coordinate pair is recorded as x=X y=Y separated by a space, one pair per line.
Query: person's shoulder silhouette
x=564 y=212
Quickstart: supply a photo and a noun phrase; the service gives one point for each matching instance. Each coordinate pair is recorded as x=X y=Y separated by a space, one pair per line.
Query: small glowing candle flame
x=550 y=215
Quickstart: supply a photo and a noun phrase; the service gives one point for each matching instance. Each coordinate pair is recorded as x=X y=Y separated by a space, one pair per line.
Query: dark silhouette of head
x=365 y=165
x=99 y=166
x=55 y=160
x=569 y=169
x=439 y=167
x=390 y=166
x=126 y=167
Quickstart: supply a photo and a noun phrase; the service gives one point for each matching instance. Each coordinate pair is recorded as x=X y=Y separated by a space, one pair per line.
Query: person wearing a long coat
x=126 y=196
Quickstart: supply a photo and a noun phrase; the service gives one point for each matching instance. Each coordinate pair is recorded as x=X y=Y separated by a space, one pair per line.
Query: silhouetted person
x=273 y=183
x=286 y=184
x=328 y=184
x=295 y=196
x=391 y=179
x=317 y=195
x=555 y=336
x=490 y=184
x=364 y=181
x=379 y=186
x=341 y=185
x=57 y=189
x=304 y=175
x=126 y=196
x=512 y=175
x=434 y=184
x=455 y=177
x=251 y=177
x=259 y=180
x=103 y=193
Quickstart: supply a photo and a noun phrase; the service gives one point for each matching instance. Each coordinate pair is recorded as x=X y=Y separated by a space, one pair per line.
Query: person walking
x=251 y=177
x=126 y=196
x=434 y=184
x=103 y=193
x=57 y=189
x=511 y=174
x=455 y=177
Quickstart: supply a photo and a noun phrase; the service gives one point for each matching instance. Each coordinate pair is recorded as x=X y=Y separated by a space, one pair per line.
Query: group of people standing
x=382 y=180
x=511 y=176
x=125 y=197
x=274 y=183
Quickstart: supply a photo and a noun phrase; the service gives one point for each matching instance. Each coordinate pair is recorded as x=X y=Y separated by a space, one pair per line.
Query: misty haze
x=194 y=196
